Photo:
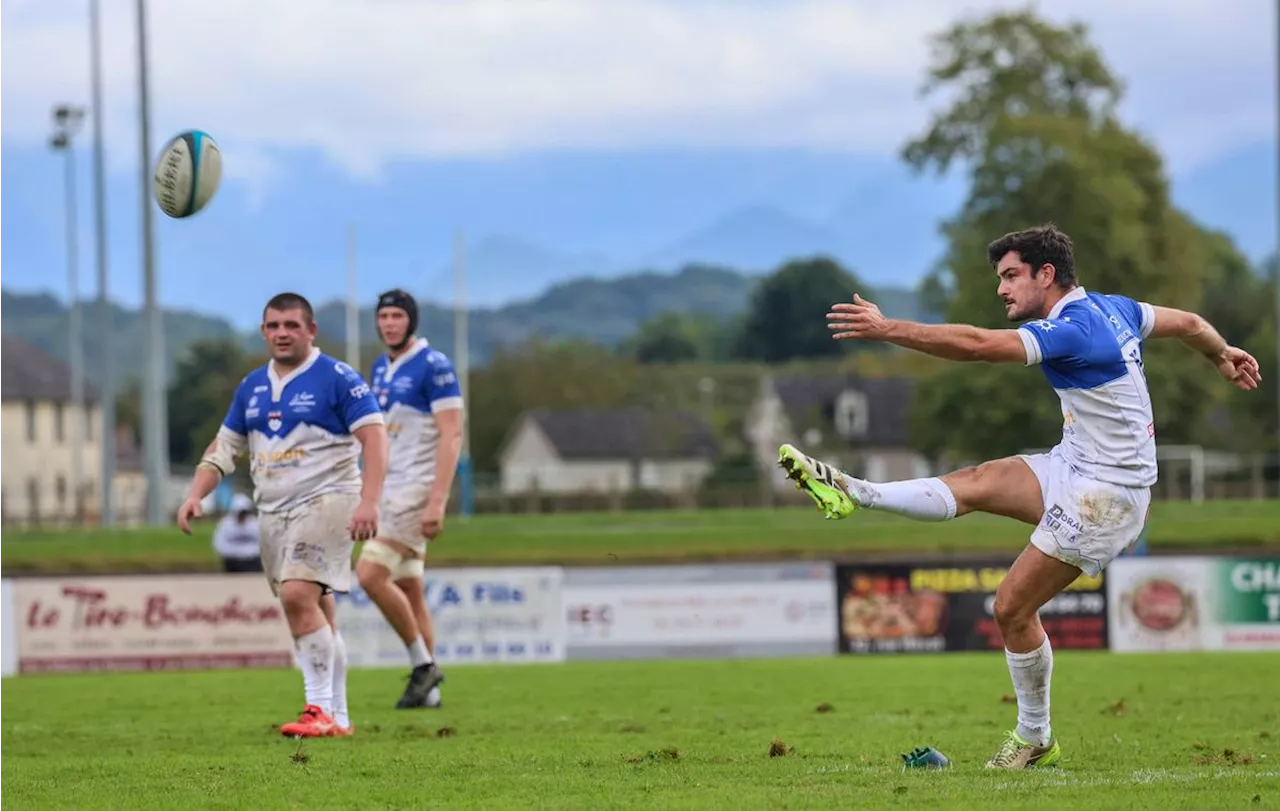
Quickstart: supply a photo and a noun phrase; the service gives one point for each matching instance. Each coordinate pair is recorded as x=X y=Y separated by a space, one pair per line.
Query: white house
x=606 y=451
x=38 y=425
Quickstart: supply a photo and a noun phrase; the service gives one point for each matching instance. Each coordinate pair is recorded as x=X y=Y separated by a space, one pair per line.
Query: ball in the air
x=187 y=173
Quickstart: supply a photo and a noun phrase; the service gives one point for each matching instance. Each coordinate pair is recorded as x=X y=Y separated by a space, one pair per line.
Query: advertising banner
x=148 y=623
x=728 y=610
x=480 y=615
x=906 y=608
x=1195 y=603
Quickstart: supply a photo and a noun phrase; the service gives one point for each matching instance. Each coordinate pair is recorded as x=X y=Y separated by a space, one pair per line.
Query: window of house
x=59 y=428
x=88 y=424
x=60 y=491
x=30 y=408
x=852 y=416
x=33 y=499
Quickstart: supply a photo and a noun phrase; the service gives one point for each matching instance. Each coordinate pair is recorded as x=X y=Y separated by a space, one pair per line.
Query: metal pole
x=76 y=342
x=106 y=369
x=466 y=482
x=353 y=303
x=154 y=411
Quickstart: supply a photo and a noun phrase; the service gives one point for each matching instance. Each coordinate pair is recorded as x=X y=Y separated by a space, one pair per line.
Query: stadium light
x=106 y=363
x=155 y=419
x=66 y=123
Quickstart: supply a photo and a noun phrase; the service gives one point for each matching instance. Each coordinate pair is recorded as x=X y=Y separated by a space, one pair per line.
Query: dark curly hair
x=1039 y=246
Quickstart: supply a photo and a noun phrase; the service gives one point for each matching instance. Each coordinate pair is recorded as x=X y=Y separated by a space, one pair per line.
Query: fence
x=546 y=614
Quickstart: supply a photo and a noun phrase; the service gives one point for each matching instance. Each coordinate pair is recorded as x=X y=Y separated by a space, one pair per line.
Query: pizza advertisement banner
x=933 y=607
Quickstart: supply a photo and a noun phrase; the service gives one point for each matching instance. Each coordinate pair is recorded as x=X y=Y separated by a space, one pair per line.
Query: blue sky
x=568 y=137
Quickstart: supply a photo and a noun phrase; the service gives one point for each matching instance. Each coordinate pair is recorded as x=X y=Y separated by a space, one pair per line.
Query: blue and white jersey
x=412 y=389
x=299 y=429
x=1090 y=348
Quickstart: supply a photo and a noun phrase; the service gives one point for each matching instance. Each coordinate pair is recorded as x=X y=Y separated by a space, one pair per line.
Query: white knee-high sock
x=340 y=715
x=921 y=499
x=315 y=654
x=1031 y=674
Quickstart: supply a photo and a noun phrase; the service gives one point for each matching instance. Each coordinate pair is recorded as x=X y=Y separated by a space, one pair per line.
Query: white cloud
x=365 y=83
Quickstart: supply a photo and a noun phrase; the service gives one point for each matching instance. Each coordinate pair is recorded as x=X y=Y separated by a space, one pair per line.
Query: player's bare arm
x=1234 y=364
x=217 y=461
x=863 y=321
x=374 y=448
x=449 y=423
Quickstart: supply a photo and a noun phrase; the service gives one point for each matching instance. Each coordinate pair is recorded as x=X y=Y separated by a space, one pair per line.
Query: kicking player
x=305 y=418
x=1088 y=497
x=418 y=389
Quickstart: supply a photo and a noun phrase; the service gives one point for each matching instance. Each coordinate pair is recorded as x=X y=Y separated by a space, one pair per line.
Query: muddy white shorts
x=1086 y=523
x=401 y=518
x=310 y=542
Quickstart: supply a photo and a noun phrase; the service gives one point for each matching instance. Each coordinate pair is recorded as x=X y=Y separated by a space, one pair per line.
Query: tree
x=785 y=316
x=666 y=338
x=204 y=380
x=1034 y=122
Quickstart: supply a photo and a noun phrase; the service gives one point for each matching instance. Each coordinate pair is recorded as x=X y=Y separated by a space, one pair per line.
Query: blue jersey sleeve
x=235 y=420
x=1055 y=339
x=1140 y=315
x=441 y=384
x=355 y=401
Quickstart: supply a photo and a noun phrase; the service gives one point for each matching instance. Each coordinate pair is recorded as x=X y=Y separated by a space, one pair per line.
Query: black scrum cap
x=406 y=302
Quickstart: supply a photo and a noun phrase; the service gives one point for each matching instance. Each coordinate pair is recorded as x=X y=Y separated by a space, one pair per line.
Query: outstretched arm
x=863 y=320
x=1234 y=364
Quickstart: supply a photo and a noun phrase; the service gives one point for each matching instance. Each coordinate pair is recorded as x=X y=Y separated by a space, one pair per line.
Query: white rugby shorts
x=310 y=542
x=401 y=518
x=1086 y=523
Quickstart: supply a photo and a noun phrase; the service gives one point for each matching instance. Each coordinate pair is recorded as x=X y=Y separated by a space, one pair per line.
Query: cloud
x=365 y=84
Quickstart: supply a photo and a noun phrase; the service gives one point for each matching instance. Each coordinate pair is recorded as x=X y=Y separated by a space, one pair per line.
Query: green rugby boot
x=1015 y=753
x=824 y=483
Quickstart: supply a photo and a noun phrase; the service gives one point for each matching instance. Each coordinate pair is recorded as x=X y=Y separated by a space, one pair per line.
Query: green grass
x=654 y=536
x=1154 y=731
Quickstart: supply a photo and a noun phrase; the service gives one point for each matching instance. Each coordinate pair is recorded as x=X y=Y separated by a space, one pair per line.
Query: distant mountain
x=759 y=238
x=502 y=269
x=603 y=310
x=42 y=320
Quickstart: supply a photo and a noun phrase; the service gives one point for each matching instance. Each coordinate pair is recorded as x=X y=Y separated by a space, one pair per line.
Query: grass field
x=653 y=537
x=1139 y=731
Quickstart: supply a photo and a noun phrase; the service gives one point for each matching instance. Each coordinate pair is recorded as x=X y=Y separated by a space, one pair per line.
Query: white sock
x=1031 y=673
x=315 y=654
x=340 y=681
x=921 y=499
x=418 y=655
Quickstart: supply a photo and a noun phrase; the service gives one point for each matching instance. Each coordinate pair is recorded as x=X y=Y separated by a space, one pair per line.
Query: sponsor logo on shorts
x=1060 y=522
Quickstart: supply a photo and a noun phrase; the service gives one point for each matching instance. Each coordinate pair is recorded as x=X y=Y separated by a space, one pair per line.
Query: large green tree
x=204 y=380
x=785 y=317
x=1033 y=122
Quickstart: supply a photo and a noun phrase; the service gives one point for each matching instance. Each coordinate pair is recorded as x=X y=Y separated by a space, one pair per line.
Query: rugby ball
x=187 y=173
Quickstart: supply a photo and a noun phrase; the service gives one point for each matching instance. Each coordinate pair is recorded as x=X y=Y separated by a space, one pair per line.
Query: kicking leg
x=1005 y=487
x=373 y=569
x=1033 y=580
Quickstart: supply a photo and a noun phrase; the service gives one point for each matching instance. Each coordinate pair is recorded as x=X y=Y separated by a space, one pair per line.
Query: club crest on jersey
x=274 y=420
